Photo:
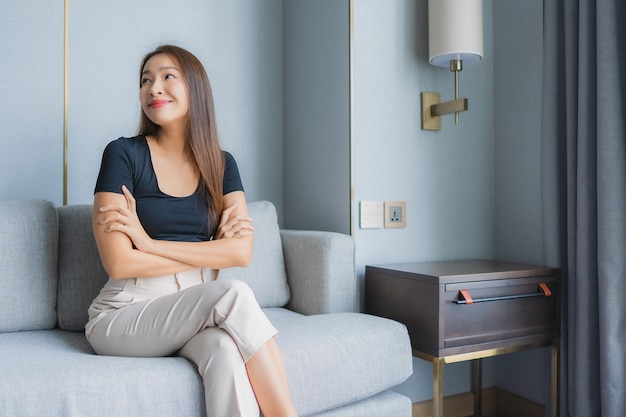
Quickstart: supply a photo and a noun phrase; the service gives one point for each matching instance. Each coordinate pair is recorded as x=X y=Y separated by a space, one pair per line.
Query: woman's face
x=163 y=93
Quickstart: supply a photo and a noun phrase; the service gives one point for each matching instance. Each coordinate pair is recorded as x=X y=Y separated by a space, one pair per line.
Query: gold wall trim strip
x=351 y=112
x=65 y=96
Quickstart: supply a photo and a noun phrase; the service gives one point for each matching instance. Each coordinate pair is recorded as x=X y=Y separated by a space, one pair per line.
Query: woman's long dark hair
x=202 y=138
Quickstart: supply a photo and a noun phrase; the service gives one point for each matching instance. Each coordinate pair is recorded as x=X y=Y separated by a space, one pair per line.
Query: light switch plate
x=372 y=214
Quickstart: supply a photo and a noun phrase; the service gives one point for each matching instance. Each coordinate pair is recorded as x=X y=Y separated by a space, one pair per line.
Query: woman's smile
x=155 y=104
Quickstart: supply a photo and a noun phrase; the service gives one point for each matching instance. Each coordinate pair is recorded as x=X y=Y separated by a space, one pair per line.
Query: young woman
x=169 y=204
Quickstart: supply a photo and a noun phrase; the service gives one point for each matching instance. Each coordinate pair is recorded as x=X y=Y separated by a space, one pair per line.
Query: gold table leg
x=554 y=380
x=477 y=386
x=438 y=388
x=475 y=357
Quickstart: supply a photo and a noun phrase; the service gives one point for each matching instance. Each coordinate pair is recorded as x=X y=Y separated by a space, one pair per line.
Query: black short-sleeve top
x=127 y=161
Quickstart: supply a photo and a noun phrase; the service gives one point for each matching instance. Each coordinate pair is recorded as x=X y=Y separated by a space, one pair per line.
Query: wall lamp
x=455 y=37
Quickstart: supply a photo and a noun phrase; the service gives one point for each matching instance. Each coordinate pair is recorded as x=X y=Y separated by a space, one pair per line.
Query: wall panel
x=31 y=104
x=240 y=45
x=317 y=115
x=445 y=177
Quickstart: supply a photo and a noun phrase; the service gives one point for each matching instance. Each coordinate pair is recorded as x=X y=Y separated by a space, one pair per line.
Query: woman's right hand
x=232 y=225
x=123 y=218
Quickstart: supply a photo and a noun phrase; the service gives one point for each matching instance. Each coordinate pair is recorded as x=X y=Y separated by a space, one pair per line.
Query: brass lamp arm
x=433 y=109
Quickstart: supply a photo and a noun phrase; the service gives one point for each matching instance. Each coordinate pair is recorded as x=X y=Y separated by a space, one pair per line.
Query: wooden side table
x=468 y=310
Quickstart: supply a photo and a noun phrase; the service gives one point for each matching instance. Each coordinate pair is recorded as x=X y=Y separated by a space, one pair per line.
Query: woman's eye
x=145 y=81
x=168 y=76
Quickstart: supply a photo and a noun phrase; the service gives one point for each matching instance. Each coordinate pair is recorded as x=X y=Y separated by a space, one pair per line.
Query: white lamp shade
x=455 y=30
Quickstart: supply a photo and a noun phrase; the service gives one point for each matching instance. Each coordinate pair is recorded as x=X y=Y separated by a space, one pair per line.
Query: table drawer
x=486 y=311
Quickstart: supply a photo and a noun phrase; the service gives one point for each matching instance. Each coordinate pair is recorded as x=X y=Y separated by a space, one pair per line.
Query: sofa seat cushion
x=336 y=359
x=385 y=404
x=338 y=364
x=55 y=373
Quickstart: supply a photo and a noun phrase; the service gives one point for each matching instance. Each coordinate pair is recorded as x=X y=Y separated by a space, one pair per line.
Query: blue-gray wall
x=31 y=108
x=239 y=42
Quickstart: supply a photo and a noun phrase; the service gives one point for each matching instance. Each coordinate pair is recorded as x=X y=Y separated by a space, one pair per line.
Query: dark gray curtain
x=584 y=196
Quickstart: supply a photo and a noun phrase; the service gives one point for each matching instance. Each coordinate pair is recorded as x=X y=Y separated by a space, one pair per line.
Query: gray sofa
x=340 y=363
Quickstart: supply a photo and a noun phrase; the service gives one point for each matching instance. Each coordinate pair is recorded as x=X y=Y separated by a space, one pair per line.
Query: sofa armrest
x=320 y=271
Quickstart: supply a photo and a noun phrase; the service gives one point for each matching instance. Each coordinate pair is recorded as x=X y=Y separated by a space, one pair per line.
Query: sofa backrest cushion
x=81 y=275
x=266 y=273
x=28 y=265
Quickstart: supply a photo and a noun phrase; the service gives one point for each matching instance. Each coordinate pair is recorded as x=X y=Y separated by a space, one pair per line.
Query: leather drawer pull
x=466 y=298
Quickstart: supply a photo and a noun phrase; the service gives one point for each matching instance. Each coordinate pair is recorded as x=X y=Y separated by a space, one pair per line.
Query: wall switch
x=395 y=214
x=372 y=214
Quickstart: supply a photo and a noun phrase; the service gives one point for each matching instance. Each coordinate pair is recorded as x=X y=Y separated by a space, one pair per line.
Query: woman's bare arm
x=118 y=256
x=232 y=246
x=117 y=227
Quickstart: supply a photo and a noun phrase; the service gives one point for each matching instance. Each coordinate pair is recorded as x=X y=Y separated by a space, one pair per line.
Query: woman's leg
x=162 y=326
x=227 y=390
x=268 y=378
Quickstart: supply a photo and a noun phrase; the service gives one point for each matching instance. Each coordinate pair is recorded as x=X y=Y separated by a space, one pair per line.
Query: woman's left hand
x=120 y=218
x=232 y=225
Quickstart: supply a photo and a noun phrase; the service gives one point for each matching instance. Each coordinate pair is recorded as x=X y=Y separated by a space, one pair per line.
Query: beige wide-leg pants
x=218 y=325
